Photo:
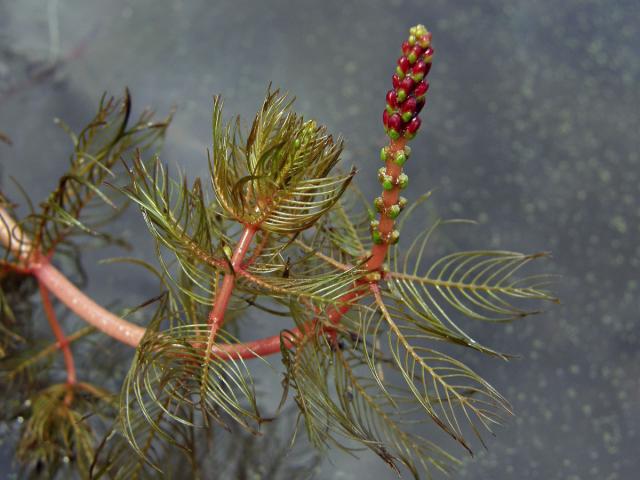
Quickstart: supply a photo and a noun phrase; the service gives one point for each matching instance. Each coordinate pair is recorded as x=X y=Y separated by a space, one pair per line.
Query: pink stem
x=105 y=321
x=270 y=345
x=216 y=316
x=58 y=333
x=128 y=333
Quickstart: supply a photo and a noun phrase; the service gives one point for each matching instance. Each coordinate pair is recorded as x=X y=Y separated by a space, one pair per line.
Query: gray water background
x=532 y=128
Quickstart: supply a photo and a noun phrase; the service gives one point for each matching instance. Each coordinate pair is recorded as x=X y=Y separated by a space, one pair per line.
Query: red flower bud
x=419 y=68
x=421 y=88
x=416 y=51
x=396 y=81
x=395 y=122
x=420 y=104
x=428 y=53
x=407 y=84
x=408 y=109
x=406 y=48
x=403 y=63
x=385 y=118
x=409 y=106
x=392 y=98
x=414 y=125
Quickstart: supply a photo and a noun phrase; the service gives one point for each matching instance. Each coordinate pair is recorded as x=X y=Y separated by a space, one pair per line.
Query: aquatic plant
x=275 y=229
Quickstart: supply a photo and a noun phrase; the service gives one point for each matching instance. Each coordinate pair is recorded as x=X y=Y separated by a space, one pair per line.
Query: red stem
x=126 y=332
x=270 y=345
x=59 y=334
x=92 y=313
x=216 y=316
x=390 y=197
x=132 y=334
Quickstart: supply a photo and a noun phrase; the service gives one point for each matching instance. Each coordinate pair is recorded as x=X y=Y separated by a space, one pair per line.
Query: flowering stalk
x=401 y=122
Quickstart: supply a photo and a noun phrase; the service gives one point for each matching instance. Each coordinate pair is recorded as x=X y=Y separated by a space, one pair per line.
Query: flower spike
x=406 y=99
x=401 y=120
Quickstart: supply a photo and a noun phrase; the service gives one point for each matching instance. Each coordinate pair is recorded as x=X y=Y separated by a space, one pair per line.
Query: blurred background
x=532 y=128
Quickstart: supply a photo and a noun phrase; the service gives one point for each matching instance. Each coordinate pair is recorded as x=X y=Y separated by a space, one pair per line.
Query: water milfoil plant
x=278 y=229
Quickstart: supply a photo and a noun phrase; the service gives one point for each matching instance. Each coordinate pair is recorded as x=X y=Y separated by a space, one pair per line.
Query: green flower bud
x=378 y=202
x=403 y=181
x=393 y=134
x=393 y=211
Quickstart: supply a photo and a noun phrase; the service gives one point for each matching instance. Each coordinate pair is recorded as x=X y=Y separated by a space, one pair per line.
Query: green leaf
x=76 y=205
x=444 y=387
x=184 y=223
x=176 y=379
x=480 y=285
x=58 y=429
x=279 y=178
x=342 y=403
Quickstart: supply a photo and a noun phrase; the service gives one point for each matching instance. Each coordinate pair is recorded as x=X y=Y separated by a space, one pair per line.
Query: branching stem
x=126 y=332
x=216 y=316
x=271 y=345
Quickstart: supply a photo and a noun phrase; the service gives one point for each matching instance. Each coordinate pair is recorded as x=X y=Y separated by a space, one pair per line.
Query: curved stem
x=13 y=238
x=130 y=334
x=92 y=313
x=258 y=250
x=271 y=345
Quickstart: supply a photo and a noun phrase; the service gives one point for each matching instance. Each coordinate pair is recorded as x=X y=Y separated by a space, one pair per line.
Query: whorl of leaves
x=58 y=432
x=278 y=177
x=79 y=205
